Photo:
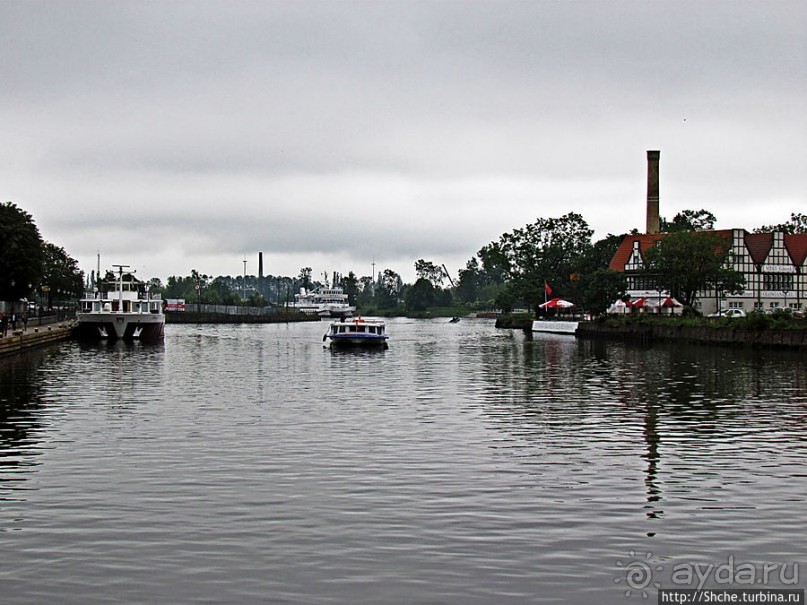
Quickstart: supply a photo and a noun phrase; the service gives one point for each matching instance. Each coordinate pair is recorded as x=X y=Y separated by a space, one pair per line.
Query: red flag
x=547 y=289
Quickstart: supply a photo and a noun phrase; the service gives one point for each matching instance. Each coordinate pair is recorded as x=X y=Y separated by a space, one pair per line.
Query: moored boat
x=358 y=331
x=121 y=310
x=325 y=302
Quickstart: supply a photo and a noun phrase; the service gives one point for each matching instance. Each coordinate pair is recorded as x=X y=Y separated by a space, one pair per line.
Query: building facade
x=774 y=266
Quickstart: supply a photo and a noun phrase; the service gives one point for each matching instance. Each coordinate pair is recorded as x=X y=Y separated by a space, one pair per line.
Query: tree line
x=31 y=268
x=521 y=269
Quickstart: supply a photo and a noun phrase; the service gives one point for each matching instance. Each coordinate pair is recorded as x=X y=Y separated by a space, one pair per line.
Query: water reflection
x=464 y=464
x=20 y=421
x=692 y=408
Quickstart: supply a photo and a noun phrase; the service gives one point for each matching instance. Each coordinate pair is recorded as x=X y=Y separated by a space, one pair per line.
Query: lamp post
x=245 y=279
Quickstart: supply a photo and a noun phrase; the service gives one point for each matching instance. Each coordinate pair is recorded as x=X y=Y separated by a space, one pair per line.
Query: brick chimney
x=652 y=192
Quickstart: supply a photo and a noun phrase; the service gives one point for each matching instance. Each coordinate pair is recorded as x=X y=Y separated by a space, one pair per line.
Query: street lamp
x=245 y=278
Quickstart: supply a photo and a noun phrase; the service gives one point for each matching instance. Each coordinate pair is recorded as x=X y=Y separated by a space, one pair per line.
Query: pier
x=34 y=337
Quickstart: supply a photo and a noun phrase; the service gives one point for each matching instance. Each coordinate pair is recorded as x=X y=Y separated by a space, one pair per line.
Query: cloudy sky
x=190 y=135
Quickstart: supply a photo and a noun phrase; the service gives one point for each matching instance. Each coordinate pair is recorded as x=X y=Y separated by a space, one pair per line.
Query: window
x=777 y=282
x=774 y=305
x=759 y=305
x=735 y=305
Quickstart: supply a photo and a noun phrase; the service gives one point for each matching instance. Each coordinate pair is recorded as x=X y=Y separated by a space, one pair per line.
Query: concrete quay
x=34 y=337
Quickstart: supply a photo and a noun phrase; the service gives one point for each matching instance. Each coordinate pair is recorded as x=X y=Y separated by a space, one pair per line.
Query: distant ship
x=121 y=310
x=325 y=302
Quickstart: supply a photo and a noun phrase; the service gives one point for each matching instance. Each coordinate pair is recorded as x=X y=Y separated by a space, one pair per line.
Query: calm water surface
x=249 y=464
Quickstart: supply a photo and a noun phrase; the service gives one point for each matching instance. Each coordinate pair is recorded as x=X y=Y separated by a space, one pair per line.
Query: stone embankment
x=768 y=338
x=184 y=317
x=33 y=338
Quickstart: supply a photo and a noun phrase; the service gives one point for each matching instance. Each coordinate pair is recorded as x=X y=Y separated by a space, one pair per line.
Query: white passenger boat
x=358 y=331
x=325 y=302
x=554 y=327
x=121 y=309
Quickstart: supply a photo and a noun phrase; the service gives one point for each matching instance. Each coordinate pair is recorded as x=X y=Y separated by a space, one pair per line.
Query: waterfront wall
x=725 y=335
x=34 y=338
x=213 y=317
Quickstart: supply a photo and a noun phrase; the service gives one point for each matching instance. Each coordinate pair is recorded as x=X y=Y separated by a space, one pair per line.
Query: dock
x=19 y=341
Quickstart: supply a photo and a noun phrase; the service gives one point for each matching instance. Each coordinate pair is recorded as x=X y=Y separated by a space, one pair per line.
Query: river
x=463 y=465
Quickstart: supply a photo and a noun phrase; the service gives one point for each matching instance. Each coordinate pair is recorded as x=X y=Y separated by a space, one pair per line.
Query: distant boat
x=454 y=320
x=121 y=310
x=369 y=332
x=325 y=302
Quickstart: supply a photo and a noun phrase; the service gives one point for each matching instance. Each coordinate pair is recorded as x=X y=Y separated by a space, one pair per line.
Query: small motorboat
x=358 y=331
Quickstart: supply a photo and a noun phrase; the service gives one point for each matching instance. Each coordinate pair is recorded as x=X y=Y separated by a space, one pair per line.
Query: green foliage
x=21 y=253
x=796 y=224
x=305 y=278
x=350 y=285
x=429 y=271
x=689 y=220
x=61 y=273
x=421 y=295
x=505 y=300
x=388 y=289
x=685 y=262
x=600 y=289
x=546 y=251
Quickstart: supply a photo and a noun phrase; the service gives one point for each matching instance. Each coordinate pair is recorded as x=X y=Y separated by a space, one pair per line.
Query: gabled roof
x=622 y=254
x=796 y=244
x=759 y=246
x=625 y=249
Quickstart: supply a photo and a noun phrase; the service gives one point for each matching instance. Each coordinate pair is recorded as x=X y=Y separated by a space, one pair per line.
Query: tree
x=495 y=263
x=545 y=251
x=350 y=285
x=21 y=253
x=367 y=292
x=61 y=273
x=796 y=224
x=600 y=289
x=686 y=262
x=598 y=256
x=421 y=295
x=470 y=281
x=389 y=288
x=689 y=220
x=305 y=278
x=428 y=270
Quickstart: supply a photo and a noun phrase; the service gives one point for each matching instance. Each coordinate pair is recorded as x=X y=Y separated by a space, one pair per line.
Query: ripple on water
x=463 y=465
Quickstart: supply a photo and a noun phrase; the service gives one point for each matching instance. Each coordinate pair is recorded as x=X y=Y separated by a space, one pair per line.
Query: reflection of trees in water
x=685 y=400
x=20 y=413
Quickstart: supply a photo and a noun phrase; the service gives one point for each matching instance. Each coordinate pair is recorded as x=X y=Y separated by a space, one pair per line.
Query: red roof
x=796 y=245
x=625 y=249
x=622 y=254
x=759 y=246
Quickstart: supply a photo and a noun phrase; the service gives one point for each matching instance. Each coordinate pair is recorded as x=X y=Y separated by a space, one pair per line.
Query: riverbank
x=724 y=335
x=189 y=317
x=34 y=338
x=784 y=334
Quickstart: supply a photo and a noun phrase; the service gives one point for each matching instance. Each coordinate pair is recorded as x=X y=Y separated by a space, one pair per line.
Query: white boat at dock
x=554 y=327
x=325 y=302
x=358 y=331
x=121 y=310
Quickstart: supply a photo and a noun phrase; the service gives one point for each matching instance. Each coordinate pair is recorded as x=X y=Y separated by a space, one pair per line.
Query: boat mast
x=120 y=286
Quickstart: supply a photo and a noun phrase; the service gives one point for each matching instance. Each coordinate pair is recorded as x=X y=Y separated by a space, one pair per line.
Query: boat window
x=360 y=329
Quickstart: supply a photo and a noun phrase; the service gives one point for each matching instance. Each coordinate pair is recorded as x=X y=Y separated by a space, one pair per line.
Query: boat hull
x=121 y=326
x=555 y=327
x=358 y=340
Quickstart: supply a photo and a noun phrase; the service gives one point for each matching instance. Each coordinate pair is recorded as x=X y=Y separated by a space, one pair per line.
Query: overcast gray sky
x=189 y=135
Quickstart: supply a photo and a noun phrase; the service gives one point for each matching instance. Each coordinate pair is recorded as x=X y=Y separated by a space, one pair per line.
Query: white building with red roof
x=774 y=264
